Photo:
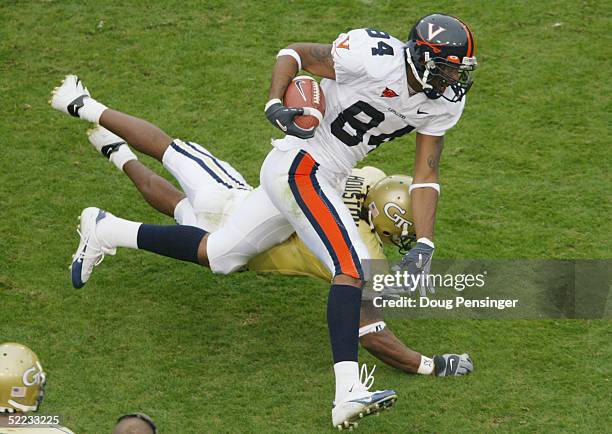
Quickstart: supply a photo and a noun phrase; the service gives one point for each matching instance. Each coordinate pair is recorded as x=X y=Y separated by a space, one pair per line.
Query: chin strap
x=422 y=81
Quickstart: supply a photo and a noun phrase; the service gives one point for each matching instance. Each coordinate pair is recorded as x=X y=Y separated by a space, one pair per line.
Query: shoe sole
x=371 y=410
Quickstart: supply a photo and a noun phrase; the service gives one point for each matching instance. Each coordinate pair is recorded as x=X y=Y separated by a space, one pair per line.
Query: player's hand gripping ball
x=301 y=110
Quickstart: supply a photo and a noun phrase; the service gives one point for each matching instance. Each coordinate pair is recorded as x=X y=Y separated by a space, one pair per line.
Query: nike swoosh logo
x=419 y=112
x=298 y=84
x=107 y=150
x=419 y=263
x=75 y=106
x=74 y=109
x=450 y=365
x=281 y=126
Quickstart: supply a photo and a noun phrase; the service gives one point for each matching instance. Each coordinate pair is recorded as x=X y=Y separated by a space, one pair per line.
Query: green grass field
x=524 y=175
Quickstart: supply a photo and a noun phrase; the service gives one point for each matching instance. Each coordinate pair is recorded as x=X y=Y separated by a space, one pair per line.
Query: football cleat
x=453 y=365
x=104 y=140
x=90 y=251
x=68 y=97
x=359 y=402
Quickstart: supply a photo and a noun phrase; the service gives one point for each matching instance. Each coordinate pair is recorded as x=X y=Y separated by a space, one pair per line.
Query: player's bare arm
x=314 y=58
x=310 y=57
x=425 y=200
x=424 y=194
x=385 y=346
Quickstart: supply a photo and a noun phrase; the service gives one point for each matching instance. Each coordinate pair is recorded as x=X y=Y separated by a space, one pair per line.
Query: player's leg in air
x=155 y=190
x=101 y=232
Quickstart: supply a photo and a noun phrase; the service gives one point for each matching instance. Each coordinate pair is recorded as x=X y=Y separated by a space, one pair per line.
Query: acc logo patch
x=389 y=93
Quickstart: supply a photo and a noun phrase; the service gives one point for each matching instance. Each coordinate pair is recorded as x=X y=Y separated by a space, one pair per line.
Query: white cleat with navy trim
x=90 y=251
x=68 y=97
x=360 y=402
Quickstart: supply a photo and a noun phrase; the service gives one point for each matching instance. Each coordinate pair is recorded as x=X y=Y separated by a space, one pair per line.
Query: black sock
x=343 y=308
x=174 y=241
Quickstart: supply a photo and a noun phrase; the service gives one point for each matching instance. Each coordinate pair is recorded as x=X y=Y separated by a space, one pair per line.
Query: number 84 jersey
x=369 y=102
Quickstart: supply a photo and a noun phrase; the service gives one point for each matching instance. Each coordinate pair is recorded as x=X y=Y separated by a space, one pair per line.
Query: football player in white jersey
x=377 y=88
x=303 y=175
x=22 y=384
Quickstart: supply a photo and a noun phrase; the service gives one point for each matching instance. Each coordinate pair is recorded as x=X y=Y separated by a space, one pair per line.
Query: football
x=304 y=91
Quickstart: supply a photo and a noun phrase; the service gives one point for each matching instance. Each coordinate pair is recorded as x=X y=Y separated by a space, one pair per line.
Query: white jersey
x=369 y=102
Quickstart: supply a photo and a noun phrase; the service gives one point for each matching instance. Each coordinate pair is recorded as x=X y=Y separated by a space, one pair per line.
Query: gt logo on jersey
x=395 y=213
x=433 y=33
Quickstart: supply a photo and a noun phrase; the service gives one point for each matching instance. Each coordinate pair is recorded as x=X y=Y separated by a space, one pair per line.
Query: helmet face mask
x=444 y=74
x=441 y=53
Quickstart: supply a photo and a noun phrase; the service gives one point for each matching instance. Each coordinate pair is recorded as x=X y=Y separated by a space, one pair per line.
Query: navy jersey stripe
x=339 y=222
x=312 y=219
x=201 y=163
x=219 y=165
x=300 y=201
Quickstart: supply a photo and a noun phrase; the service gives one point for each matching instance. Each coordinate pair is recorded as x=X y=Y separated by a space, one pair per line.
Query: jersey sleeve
x=439 y=125
x=347 y=52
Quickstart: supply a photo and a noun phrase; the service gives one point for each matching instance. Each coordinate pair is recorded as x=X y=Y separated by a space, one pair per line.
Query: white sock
x=91 y=110
x=117 y=232
x=347 y=374
x=184 y=213
x=122 y=155
x=426 y=367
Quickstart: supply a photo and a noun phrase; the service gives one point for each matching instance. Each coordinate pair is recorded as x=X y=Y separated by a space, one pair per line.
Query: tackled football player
x=377 y=89
x=206 y=203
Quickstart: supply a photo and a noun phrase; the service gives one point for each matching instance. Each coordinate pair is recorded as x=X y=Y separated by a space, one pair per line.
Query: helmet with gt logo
x=441 y=53
x=389 y=211
x=22 y=379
